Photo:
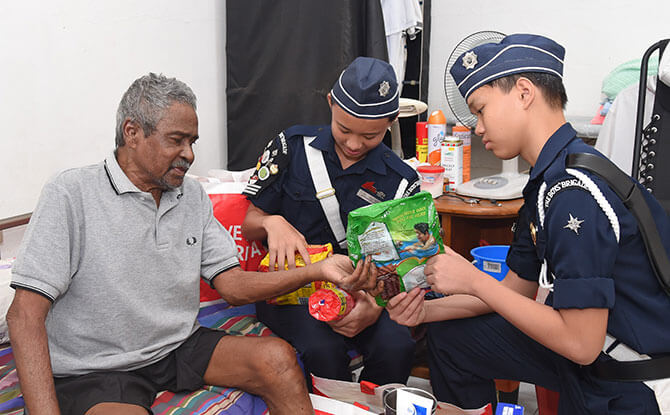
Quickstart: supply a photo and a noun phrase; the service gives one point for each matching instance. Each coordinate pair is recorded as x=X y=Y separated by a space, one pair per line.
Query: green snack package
x=400 y=235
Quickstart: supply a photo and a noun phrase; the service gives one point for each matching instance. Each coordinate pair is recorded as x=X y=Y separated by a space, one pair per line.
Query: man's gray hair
x=147 y=99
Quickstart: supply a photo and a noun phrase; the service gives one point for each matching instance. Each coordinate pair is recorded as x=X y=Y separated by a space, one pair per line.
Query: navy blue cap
x=514 y=54
x=367 y=89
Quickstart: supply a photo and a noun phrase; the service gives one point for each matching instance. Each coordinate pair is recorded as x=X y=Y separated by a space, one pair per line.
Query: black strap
x=632 y=197
x=636 y=371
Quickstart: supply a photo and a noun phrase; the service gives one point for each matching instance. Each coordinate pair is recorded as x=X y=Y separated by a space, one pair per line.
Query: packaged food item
x=463 y=133
x=301 y=295
x=330 y=304
x=400 y=235
x=437 y=130
x=452 y=161
x=422 y=141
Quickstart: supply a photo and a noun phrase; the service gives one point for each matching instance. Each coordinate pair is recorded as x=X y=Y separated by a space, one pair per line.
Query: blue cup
x=491 y=260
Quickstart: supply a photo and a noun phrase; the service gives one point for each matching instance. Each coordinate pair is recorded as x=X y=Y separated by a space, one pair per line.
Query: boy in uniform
x=307 y=180
x=574 y=236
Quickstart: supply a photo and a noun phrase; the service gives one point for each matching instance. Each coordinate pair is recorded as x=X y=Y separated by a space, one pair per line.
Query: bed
x=209 y=400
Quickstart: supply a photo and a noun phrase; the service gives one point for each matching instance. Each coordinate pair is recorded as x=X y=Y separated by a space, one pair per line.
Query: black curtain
x=282 y=59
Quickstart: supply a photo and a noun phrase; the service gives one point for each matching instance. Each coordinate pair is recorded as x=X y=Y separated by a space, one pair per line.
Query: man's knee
x=115 y=408
x=277 y=357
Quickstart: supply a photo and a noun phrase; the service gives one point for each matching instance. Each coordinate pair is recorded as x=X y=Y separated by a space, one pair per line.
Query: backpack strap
x=634 y=200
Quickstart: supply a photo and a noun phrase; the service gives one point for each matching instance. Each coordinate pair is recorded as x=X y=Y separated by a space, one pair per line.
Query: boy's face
x=499 y=120
x=355 y=137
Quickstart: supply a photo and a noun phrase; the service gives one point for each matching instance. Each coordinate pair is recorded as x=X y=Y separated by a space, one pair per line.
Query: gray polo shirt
x=123 y=274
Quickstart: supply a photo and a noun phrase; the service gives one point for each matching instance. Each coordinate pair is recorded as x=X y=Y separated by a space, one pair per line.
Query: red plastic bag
x=229 y=210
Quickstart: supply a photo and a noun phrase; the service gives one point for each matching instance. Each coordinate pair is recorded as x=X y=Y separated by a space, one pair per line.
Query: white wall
x=598 y=35
x=66 y=64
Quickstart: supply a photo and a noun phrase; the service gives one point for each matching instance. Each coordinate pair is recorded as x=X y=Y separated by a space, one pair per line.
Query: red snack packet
x=330 y=304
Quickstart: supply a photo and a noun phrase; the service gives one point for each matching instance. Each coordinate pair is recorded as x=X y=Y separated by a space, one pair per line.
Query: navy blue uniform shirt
x=589 y=267
x=286 y=188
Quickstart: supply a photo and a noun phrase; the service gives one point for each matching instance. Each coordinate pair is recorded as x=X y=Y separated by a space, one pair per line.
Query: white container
x=432 y=179
x=452 y=161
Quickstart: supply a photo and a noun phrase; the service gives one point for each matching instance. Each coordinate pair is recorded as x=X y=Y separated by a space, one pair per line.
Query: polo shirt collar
x=117 y=177
x=557 y=142
x=373 y=161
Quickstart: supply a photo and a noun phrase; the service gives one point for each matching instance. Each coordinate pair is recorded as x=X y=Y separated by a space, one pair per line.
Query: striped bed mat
x=209 y=400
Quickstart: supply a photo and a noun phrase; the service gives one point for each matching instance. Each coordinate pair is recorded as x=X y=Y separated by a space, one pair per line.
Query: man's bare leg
x=265 y=366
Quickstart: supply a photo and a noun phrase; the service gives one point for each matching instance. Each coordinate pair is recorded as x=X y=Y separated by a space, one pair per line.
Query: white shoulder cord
x=600 y=199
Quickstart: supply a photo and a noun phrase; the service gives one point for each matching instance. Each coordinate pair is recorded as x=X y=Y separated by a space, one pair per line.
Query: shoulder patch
x=271 y=162
x=557 y=188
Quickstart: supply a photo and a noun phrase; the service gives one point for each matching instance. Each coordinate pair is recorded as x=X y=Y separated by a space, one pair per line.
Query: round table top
x=451 y=204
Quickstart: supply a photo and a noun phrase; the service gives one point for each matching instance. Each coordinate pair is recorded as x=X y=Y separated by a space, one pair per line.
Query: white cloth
x=664 y=67
x=401 y=18
x=617 y=135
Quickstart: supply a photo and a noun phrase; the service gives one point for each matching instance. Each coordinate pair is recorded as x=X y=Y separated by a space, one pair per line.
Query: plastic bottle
x=422 y=141
x=437 y=130
x=330 y=304
x=463 y=133
x=452 y=161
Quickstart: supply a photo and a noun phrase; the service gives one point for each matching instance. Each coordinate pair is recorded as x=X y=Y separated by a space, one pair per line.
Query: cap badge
x=574 y=224
x=470 y=60
x=384 y=89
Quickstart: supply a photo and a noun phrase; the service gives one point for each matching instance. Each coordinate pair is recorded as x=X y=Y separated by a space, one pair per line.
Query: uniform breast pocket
x=300 y=205
x=300 y=191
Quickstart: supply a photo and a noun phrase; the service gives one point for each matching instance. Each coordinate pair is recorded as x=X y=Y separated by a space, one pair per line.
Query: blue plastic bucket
x=491 y=260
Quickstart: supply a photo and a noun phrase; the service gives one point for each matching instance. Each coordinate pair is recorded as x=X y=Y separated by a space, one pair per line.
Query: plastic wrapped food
x=400 y=235
x=301 y=295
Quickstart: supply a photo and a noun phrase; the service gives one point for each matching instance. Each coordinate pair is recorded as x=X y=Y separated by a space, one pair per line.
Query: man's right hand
x=338 y=270
x=407 y=308
x=283 y=242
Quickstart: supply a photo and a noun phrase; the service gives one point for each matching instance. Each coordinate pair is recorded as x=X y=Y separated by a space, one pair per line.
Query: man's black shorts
x=181 y=370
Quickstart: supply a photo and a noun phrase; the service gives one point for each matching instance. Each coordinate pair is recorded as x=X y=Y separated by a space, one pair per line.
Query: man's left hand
x=365 y=313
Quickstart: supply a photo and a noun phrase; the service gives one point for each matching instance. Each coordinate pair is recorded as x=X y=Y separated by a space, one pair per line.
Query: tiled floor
x=527 y=397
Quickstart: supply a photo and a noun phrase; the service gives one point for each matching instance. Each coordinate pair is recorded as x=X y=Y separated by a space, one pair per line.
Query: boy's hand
x=450 y=273
x=407 y=308
x=338 y=270
x=283 y=242
x=365 y=313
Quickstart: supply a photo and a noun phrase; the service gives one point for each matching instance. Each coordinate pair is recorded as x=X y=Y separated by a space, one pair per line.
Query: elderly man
x=107 y=278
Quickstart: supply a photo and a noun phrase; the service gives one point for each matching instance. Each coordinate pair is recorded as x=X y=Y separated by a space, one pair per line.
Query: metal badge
x=274 y=169
x=573 y=224
x=263 y=173
x=265 y=157
x=470 y=60
x=533 y=233
x=384 y=89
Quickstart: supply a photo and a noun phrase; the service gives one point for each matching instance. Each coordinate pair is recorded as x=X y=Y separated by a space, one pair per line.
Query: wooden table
x=467 y=225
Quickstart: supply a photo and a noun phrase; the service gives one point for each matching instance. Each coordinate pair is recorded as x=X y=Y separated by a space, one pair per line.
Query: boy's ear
x=330 y=100
x=526 y=92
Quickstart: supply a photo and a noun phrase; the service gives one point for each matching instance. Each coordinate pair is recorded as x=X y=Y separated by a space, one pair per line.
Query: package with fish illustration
x=400 y=235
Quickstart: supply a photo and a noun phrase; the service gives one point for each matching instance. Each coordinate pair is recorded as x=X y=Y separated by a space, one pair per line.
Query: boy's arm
x=410 y=309
x=576 y=334
x=282 y=238
x=27 y=331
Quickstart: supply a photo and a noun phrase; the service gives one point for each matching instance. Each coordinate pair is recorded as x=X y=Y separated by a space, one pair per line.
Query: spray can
x=437 y=130
x=463 y=133
x=452 y=161
x=330 y=304
x=422 y=141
